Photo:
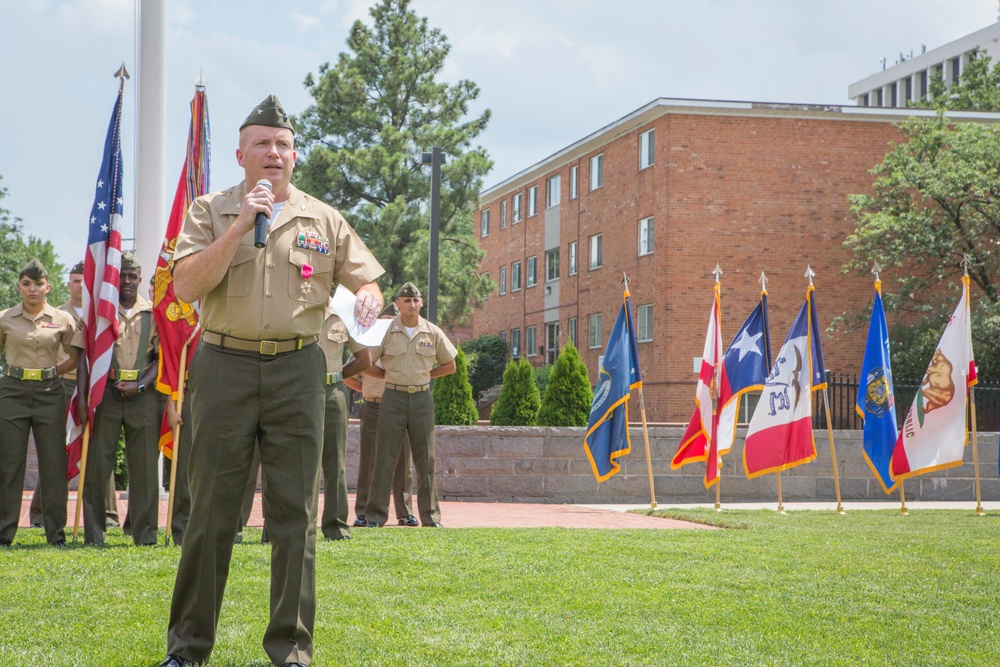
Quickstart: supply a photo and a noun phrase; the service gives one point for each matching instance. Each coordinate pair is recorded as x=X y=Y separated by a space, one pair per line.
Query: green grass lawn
x=809 y=588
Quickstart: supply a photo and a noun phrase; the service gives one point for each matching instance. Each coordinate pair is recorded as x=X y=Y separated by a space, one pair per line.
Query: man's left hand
x=368 y=305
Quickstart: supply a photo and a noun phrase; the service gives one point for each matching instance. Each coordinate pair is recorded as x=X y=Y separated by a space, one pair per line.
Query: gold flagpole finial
x=810 y=274
x=122 y=72
x=625 y=280
x=717 y=271
x=763 y=283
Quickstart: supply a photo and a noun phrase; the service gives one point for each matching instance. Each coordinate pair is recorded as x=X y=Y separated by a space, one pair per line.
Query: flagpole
x=975 y=450
x=83 y=476
x=902 y=500
x=715 y=398
x=833 y=451
x=781 y=508
x=645 y=428
x=175 y=458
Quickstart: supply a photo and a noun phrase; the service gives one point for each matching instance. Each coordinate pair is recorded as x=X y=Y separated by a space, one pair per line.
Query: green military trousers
x=402 y=480
x=334 y=521
x=237 y=400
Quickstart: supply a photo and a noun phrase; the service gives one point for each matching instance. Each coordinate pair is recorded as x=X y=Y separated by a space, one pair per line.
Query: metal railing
x=843 y=392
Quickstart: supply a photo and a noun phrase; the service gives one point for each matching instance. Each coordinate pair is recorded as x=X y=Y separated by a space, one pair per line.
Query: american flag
x=177 y=321
x=100 y=276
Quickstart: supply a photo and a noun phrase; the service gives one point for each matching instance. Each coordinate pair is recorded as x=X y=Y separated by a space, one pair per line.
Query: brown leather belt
x=120 y=375
x=32 y=373
x=374 y=399
x=265 y=347
x=409 y=388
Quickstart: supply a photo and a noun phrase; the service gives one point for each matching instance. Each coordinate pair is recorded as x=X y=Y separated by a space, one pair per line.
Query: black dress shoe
x=61 y=544
x=433 y=524
x=360 y=521
x=409 y=520
x=342 y=536
x=4 y=542
x=371 y=524
x=294 y=664
x=37 y=524
x=174 y=660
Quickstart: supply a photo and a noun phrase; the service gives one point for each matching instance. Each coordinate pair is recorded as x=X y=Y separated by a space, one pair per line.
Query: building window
x=596 y=171
x=922 y=86
x=515 y=277
x=515 y=205
x=515 y=342
x=552 y=264
x=529 y=342
x=503 y=335
x=485 y=218
x=956 y=69
x=908 y=92
x=596 y=251
x=646 y=146
x=644 y=323
x=572 y=258
x=553 y=190
x=571 y=331
x=532 y=277
x=532 y=200
x=503 y=214
x=646 y=236
x=486 y=279
x=594 y=331
x=503 y=280
x=574 y=182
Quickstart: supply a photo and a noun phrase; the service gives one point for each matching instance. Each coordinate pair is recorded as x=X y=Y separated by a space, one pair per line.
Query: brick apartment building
x=662 y=195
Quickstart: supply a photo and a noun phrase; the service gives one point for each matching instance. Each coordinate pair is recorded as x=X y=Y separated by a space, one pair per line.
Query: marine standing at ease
x=258 y=379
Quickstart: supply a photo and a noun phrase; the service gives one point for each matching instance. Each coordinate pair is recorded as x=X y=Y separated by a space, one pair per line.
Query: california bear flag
x=934 y=434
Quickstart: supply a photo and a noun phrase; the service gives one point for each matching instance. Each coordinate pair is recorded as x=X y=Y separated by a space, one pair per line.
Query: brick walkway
x=471 y=515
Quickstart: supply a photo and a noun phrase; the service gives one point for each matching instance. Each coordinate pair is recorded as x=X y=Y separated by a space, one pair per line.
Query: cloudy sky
x=552 y=71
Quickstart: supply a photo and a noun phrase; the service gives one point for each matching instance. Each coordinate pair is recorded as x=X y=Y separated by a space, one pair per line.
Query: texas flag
x=747 y=362
x=934 y=433
x=780 y=434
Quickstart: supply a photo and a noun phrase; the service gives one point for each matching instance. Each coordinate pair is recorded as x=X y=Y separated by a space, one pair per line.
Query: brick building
x=662 y=195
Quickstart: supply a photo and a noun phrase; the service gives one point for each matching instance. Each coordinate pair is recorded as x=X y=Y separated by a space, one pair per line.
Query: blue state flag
x=876 y=402
x=817 y=366
x=607 y=429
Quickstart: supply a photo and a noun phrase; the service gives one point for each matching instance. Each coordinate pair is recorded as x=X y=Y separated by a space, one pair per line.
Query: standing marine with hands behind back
x=258 y=375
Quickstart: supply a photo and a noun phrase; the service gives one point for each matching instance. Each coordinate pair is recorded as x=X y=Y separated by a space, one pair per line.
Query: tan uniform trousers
x=334 y=520
x=38 y=406
x=402 y=479
x=401 y=413
x=236 y=398
x=140 y=417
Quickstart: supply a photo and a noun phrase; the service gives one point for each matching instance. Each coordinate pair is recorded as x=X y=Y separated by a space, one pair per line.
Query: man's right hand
x=258 y=200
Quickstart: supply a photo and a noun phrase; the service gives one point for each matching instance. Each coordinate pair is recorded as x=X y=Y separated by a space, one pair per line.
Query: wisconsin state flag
x=934 y=433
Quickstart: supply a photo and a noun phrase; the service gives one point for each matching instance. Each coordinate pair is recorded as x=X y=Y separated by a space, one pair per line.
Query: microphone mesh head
x=266 y=183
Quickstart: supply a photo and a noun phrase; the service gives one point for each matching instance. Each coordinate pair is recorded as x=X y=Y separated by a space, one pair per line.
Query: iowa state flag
x=876 y=403
x=747 y=363
x=780 y=434
x=934 y=433
x=700 y=441
x=607 y=436
x=177 y=321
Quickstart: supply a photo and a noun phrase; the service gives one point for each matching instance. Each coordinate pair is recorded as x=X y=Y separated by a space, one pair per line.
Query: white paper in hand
x=342 y=303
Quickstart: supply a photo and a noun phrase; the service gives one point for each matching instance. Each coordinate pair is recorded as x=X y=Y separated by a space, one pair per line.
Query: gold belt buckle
x=31 y=374
x=269 y=347
x=412 y=389
x=129 y=376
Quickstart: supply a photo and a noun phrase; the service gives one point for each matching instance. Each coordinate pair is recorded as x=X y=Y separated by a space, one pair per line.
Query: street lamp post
x=433 y=158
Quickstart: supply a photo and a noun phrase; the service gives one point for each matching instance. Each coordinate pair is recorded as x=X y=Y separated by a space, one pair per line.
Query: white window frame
x=503 y=214
x=646 y=236
x=594 y=332
x=486 y=276
x=572 y=259
x=530 y=338
x=485 y=222
x=552 y=265
x=574 y=181
x=531 y=279
x=647 y=145
x=595 y=259
x=503 y=280
x=644 y=323
x=553 y=191
x=515 y=205
x=597 y=172
x=571 y=327
x=515 y=276
x=515 y=343
x=533 y=201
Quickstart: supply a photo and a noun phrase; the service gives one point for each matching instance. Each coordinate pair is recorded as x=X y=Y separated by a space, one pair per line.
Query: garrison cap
x=130 y=261
x=34 y=269
x=269 y=113
x=390 y=310
x=77 y=268
x=408 y=290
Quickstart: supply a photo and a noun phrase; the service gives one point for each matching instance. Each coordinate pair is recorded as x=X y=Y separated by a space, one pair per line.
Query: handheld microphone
x=260 y=223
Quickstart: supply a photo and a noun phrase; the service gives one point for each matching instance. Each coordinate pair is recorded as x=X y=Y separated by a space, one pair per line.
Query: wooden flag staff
x=175 y=459
x=645 y=428
x=975 y=429
x=715 y=402
x=83 y=477
x=829 y=417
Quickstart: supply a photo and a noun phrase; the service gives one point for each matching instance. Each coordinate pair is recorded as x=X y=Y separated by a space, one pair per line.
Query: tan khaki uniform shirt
x=129 y=334
x=408 y=361
x=372 y=387
x=68 y=308
x=263 y=295
x=35 y=343
x=332 y=339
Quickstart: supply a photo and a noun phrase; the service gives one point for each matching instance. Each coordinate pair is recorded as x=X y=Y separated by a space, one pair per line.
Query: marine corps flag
x=876 y=403
x=607 y=436
x=934 y=433
x=175 y=320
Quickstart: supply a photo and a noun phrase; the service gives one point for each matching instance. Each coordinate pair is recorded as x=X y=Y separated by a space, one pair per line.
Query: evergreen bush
x=453 y=403
x=519 y=400
x=567 y=394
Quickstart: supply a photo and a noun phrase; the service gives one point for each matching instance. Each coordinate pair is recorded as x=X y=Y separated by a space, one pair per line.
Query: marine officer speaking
x=258 y=375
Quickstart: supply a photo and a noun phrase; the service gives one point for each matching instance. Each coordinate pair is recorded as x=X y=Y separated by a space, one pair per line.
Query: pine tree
x=519 y=400
x=453 y=402
x=568 y=394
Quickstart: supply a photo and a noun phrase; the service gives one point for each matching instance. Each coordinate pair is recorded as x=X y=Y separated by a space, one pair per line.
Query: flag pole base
x=781 y=509
x=903 y=511
x=980 y=511
x=840 y=509
x=652 y=505
x=718 y=507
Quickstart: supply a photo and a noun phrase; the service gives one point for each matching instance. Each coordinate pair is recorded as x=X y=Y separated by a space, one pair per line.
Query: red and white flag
x=934 y=433
x=102 y=264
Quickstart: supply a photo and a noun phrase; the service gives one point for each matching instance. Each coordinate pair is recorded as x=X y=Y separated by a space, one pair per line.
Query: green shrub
x=453 y=403
x=487 y=356
x=568 y=394
x=542 y=374
x=519 y=400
